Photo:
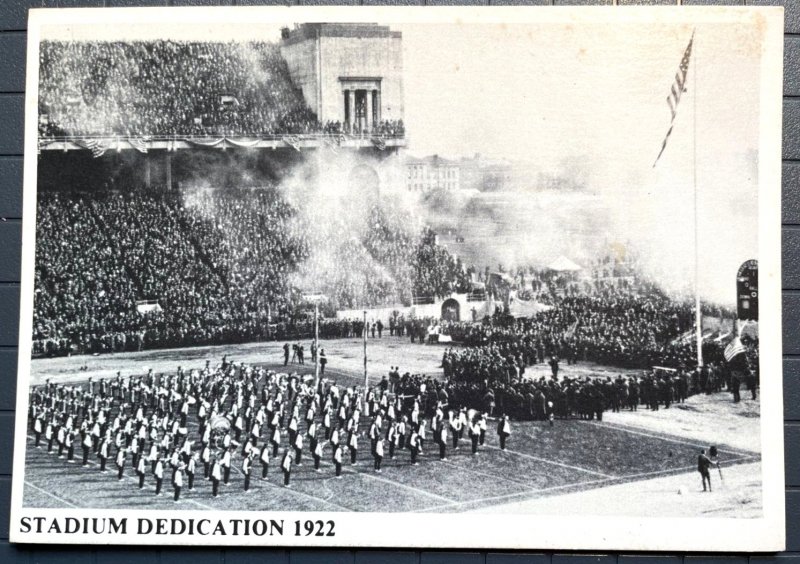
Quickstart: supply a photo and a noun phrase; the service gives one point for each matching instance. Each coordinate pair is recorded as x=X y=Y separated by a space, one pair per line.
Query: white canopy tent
x=563 y=264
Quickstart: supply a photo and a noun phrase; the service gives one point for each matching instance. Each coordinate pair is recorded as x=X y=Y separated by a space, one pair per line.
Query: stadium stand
x=172 y=88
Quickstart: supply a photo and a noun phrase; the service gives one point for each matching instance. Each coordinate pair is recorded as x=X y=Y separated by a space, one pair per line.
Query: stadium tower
x=349 y=73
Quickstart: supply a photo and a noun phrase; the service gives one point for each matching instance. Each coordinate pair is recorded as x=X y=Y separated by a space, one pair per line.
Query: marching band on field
x=241 y=412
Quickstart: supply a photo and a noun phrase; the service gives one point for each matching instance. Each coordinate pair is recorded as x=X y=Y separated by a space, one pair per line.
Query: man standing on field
x=703 y=465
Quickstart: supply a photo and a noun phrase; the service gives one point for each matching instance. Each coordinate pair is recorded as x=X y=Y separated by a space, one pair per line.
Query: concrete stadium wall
x=434 y=310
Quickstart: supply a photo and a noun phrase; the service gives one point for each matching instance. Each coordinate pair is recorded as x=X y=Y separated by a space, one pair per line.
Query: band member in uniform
x=415 y=444
x=442 y=441
x=378 y=454
x=102 y=454
x=247 y=464
x=474 y=434
x=317 y=453
x=159 y=474
x=120 y=463
x=352 y=444
x=141 y=468
x=286 y=466
x=216 y=476
x=337 y=460
x=298 y=449
x=205 y=456
x=87 y=448
x=69 y=442
x=264 y=458
x=177 y=482
x=503 y=430
x=49 y=434
x=191 y=468
x=275 y=441
x=226 y=466
x=37 y=430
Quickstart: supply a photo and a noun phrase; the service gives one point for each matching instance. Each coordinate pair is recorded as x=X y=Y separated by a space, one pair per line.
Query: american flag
x=677 y=90
x=734 y=349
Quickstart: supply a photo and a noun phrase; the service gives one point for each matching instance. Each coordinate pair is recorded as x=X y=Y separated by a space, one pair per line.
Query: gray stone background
x=13 y=21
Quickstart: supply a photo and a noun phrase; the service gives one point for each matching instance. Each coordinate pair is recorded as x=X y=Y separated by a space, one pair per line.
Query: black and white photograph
x=477 y=278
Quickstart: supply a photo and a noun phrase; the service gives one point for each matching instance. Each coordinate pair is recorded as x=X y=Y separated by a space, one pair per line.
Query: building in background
x=432 y=173
x=349 y=73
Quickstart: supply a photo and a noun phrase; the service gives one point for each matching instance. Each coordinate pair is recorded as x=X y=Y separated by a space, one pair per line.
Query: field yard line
x=315 y=498
x=563 y=465
x=390 y=481
x=499 y=478
x=54 y=496
x=405 y=486
x=635 y=431
x=576 y=484
x=136 y=480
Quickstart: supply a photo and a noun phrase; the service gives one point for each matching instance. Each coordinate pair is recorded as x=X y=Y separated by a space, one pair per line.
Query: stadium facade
x=350 y=73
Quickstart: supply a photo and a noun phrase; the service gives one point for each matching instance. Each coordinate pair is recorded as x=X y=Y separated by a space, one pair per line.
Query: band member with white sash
x=264 y=458
x=159 y=475
x=475 y=434
x=337 y=460
x=191 y=468
x=352 y=444
x=317 y=453
x=415 y=444
x=374 y=435
x=275 y=441
x=216 y=476
x=69 y=442
x=37 y=430
x=378 y=454
x=177 y=482
x=120 y=463
x=298 y=448
x=503 y=430
x=205 y=457
x=286 y=466
x=87 y=445
x=141 y=469
x=392 y=438
x=455 y=428
x=247 y=465
x=102 y=454
x=226 y=466
x=49 y=434
x=442 y=441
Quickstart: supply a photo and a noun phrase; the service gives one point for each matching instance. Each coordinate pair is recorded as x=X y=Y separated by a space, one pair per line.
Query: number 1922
x=314 y=528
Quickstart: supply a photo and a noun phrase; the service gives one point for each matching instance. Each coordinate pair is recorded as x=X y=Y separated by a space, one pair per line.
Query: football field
x=540 y=460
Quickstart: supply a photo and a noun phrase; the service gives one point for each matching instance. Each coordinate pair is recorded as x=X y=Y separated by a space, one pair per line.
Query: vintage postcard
x=392 y=277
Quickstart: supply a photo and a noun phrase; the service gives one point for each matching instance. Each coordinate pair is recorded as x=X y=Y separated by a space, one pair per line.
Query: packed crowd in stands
x=173 y=88
x=211 y=268
x=610 y=326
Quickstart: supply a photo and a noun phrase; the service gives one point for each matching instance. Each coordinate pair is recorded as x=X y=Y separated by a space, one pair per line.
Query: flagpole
x=698 y=314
